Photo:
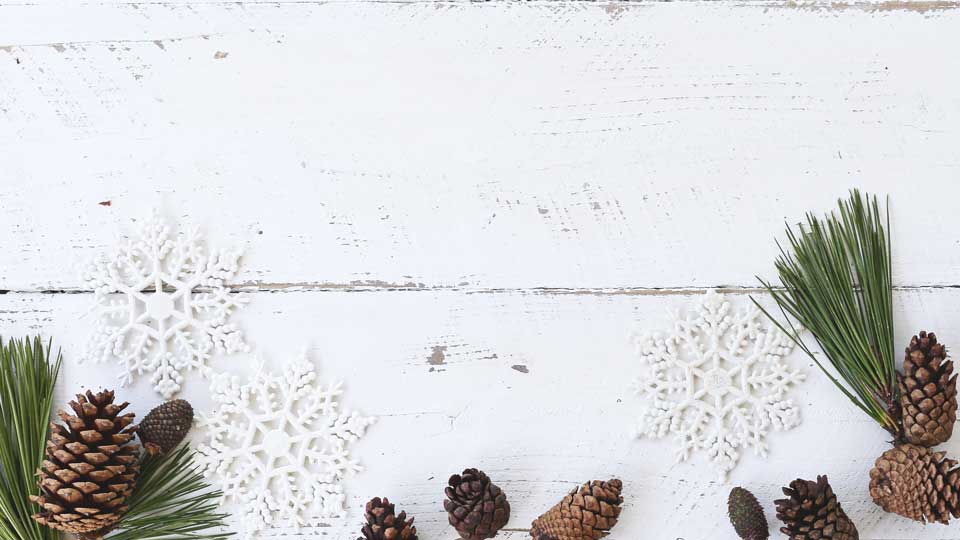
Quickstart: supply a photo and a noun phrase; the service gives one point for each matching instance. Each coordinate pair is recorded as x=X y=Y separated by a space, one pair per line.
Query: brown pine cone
x=475 y=506
x=916 y=483
x=928 y=392
x=811 y=512
x=91 y=467
x=587 y=513
x=165 y=426
x=747 y=515
x=383 y=524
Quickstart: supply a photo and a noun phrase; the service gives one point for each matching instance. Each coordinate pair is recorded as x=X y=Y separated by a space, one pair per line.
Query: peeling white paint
x=464 y=207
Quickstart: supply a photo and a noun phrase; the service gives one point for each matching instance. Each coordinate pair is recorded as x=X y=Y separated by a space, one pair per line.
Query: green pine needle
x=172 y=501
x=27 y=378
x=836 y=282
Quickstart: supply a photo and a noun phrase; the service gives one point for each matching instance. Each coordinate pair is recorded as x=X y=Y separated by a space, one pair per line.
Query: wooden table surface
x=463 y=210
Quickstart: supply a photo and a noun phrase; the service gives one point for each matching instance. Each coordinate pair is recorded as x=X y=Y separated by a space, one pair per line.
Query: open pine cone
x=928 y=392
x=91 y=467
x=916 y=483
x=475 y=506
x=811 y=512
x=587 y=513
x=383 y=524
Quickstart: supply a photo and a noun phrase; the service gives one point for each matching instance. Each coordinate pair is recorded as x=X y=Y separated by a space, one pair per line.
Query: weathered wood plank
x=439 y=368
x=578 y=146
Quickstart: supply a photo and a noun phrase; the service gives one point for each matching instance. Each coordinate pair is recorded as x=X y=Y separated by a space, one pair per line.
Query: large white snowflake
x=278 y=446
x=162 y=306
x=717 y=382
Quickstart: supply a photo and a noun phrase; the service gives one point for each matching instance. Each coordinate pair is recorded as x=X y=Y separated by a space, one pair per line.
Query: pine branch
x=172 y=501
x=836 y=282
x=27 y=379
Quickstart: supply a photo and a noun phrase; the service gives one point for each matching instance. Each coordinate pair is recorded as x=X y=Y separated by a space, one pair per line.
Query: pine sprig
x=27 y=379
x=835 y=281
x=172 y=501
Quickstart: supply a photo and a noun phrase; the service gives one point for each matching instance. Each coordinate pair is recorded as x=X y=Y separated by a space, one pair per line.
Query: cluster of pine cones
x=91 y=463
x=910 y=479
x=477 y=509
x=810 y=512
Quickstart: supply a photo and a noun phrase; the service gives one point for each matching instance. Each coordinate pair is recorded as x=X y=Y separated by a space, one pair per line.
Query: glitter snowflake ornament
x=279 y=446
x=162 y=306
x=717 y=382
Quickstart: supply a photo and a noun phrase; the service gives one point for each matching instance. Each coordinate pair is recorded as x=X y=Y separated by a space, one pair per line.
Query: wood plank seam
x=305 y=287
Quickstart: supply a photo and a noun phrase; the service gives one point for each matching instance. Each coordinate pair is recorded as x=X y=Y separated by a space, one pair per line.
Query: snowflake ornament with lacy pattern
x=717 y=383
x=162 y=306
x=278 y=447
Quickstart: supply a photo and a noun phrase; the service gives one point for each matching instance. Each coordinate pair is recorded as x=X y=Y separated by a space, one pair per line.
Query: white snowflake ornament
x=717 y=382
x=162 y=306
x=278 y=446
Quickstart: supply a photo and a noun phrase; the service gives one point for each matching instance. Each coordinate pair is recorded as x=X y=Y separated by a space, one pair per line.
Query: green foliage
x=27 y=378
x=835 y=281
x=172 y=501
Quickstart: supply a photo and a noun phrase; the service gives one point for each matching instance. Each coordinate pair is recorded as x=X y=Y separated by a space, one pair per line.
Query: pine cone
x=587 y=513
x=916 y=483
x=746 y=515
x=812 y=512
x=165 y=426
x=91 y=467
x=928 y=392
x=382 y=524
x=475 y=506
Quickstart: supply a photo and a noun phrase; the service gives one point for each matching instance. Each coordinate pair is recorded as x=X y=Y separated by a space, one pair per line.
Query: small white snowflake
x=717 y=382
x=278 y=446
x=162 y=306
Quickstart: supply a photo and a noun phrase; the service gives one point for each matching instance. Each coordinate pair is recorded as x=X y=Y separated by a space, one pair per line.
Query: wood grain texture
x=539 y=433
x=462 y=210
x=578 y=145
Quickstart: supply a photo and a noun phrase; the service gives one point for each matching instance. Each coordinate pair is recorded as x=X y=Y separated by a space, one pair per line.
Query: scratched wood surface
x=463 y=209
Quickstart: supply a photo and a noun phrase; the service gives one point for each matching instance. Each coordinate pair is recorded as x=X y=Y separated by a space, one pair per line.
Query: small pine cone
x=746 y=515
x=90 y=468
x=811 y=512
x=916 y=483
x=587 y=513
x=475 y=506
x=383 y=524
x=165 y=426
x=928 y=392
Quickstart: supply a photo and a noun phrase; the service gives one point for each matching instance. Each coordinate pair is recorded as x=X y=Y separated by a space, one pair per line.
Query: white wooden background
x=497 y=185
